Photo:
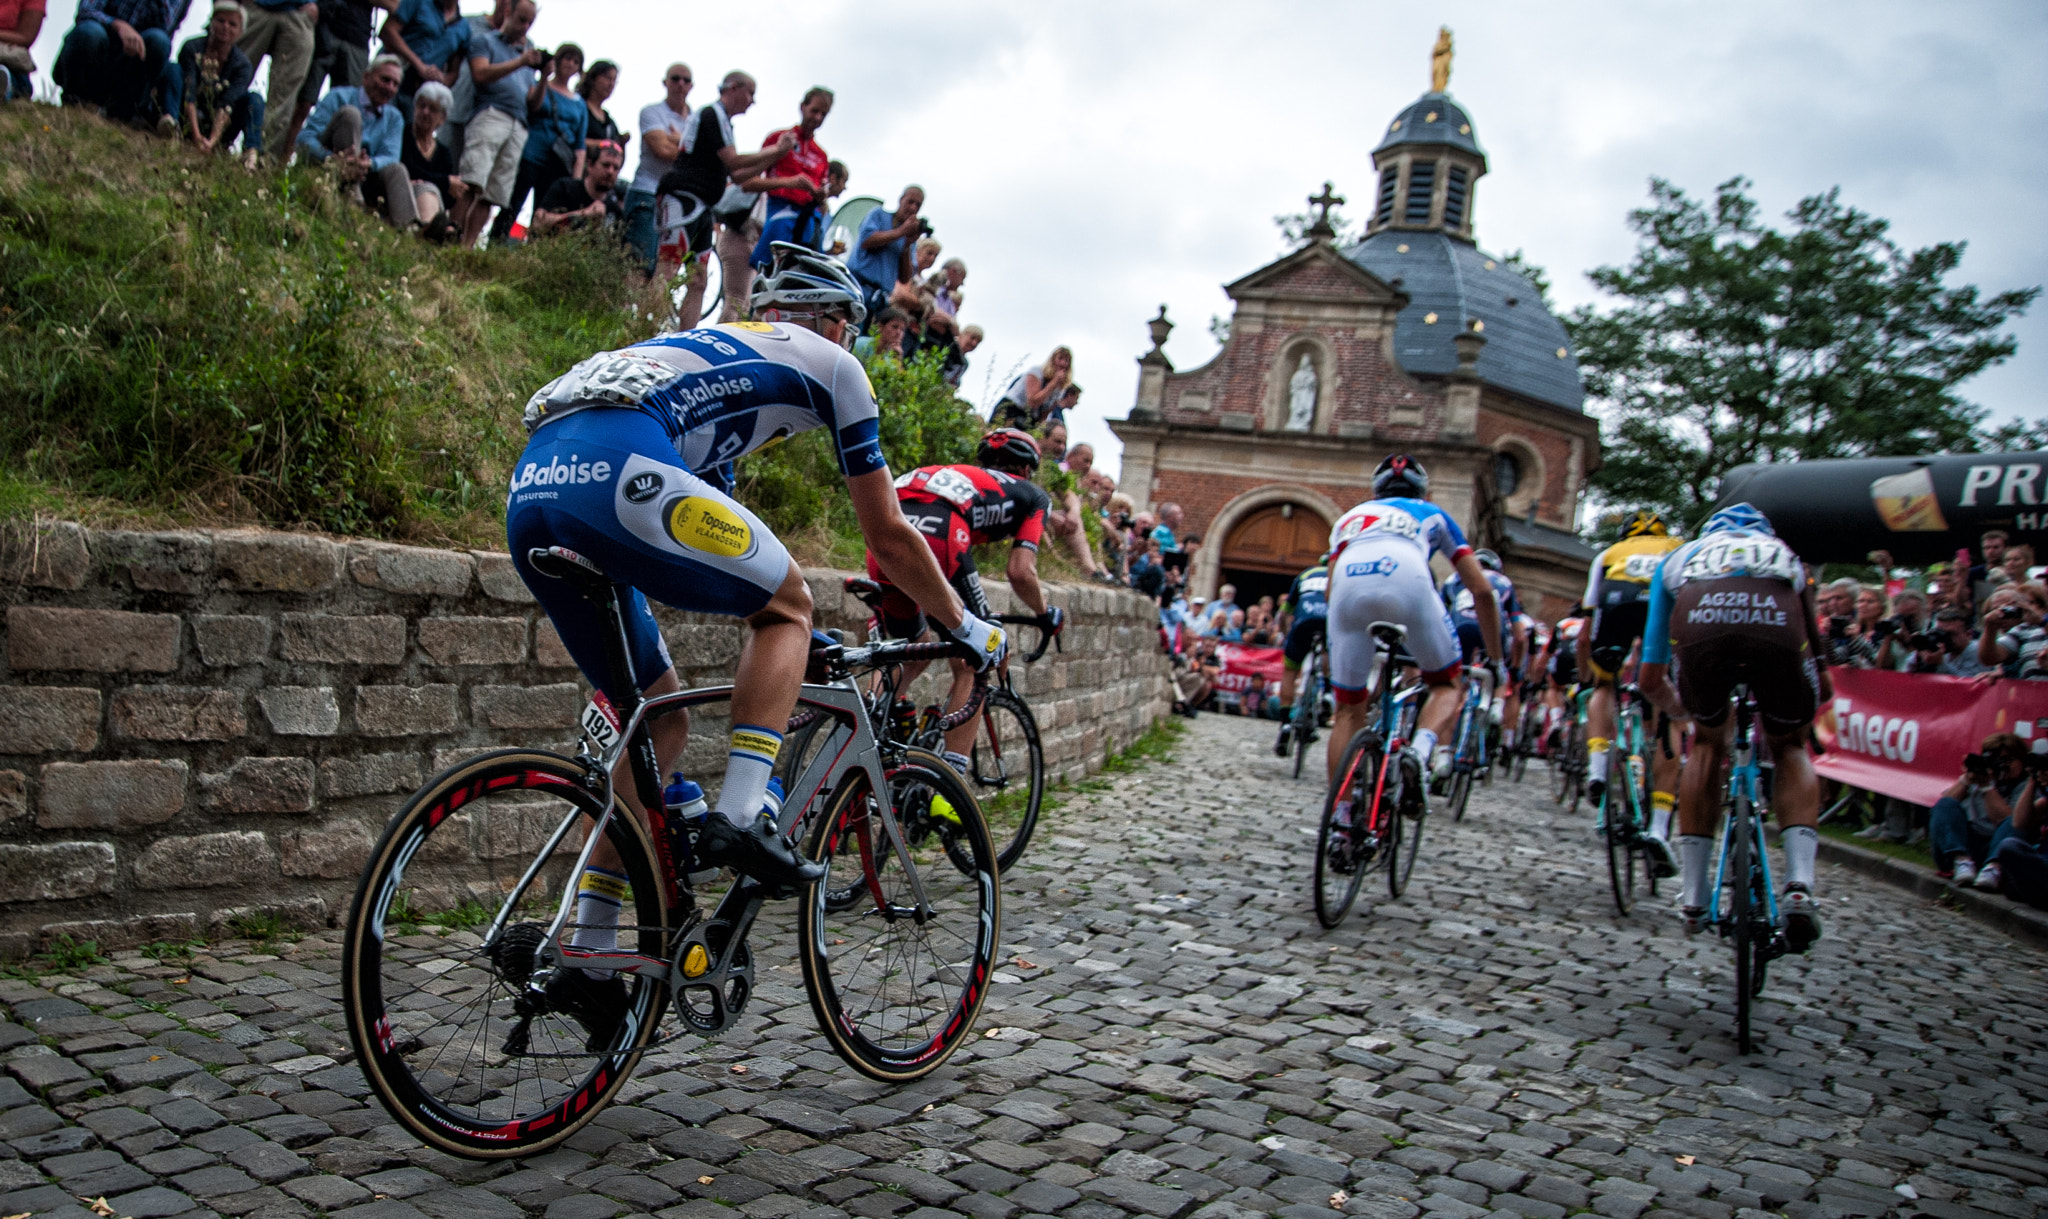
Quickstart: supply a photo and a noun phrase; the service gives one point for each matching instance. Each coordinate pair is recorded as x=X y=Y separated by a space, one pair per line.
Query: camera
x=1838 y=625
x=924 y=227
x=1122 y=520
x=2006 y=613
x=2037 y=763
x=1927 y=641
x=1976 y=764
x=1885 y=628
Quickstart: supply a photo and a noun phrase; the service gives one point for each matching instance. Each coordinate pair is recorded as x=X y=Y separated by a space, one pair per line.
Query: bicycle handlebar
x=1046 y=634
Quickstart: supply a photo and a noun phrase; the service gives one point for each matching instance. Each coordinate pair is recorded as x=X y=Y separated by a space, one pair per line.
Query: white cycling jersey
x=1380 y=573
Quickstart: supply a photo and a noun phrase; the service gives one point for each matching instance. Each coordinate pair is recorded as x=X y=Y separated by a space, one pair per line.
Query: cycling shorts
x=1472 y=645
x=952 y=544
x=602 y=483
x=1617 y=623
x=1771 y=657
x=1302 y=638
x=1385 y=582
x=1564 y=666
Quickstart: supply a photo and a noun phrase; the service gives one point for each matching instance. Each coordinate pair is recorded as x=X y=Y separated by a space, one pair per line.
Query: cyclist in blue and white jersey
x=1735 y=608
x=1514 y=627
x=1309 y=599
x=1379 y=572
x=625 y=447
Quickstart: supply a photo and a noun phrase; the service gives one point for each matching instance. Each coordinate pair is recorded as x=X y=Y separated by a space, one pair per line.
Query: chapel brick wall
x=1560 y=497
x=199 y=725
x=1203 y=495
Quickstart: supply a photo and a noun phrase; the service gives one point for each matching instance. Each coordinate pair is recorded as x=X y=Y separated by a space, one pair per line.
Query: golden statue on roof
x=1440 y=61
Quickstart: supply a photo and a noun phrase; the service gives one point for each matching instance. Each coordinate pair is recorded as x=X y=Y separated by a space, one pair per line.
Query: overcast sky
x=1090 y=161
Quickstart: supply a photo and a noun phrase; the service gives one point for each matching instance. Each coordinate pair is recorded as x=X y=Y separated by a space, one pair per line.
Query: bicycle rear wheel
x=1561 y=766
x=1403 y=838
x=1739 y=912
x=1461 y=790
x=1298 y=727
x=1006 y=769
x=436 y=1020
x=896 y=988
x=1339 y=864
x=1623 y=821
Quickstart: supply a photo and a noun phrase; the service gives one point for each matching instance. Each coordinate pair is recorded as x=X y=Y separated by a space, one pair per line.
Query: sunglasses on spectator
x=680 y=80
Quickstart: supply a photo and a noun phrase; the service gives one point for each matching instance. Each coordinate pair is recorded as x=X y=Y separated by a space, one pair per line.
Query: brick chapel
x=1413 y=339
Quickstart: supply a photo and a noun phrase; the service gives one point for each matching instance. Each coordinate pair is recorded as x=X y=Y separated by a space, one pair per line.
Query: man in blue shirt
x=116 y=51
x=360 y=129
x=881 y=253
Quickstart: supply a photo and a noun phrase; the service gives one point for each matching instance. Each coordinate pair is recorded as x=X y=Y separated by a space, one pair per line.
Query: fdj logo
x=643 y=486
x=1382 y=566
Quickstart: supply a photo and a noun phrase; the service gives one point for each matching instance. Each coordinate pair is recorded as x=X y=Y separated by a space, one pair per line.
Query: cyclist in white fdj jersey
x=623 y=445
x=1379 y=572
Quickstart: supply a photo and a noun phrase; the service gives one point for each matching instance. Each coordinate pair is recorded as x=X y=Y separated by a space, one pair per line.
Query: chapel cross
x=1323 y=203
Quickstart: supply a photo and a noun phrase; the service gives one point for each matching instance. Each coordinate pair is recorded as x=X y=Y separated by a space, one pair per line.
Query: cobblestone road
x=1174 y=1036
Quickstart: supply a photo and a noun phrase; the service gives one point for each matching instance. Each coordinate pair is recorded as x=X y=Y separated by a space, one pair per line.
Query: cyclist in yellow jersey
x=1617 y=597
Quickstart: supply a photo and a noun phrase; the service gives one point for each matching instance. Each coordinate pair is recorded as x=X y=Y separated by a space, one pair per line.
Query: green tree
x=1736 y=342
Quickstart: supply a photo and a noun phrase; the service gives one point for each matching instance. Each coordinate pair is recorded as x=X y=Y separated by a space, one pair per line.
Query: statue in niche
x=1301 y=396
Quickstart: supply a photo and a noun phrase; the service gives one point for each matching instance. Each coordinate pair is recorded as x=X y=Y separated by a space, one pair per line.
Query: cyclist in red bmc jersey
x=960 y=507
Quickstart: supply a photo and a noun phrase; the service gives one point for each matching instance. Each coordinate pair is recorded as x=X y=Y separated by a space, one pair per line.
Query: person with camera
x=1974 y=817
x=883 y=249
x=1948 y=648
x=2013 y=640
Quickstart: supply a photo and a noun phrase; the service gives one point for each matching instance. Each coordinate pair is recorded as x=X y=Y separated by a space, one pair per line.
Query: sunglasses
x=680 y=80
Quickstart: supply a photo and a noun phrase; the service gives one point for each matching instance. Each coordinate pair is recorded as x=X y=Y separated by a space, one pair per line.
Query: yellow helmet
x=1645 y=523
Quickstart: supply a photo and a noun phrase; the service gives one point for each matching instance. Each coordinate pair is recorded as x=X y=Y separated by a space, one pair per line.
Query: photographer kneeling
x=1975 y=816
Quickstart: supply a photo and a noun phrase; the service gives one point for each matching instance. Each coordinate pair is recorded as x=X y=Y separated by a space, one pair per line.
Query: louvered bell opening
x=1383 y=211
x=1421 y=184
x=1455 y=190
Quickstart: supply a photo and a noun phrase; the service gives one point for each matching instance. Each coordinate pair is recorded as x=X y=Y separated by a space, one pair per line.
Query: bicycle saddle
x=562 y=563
x=867 y=590
x=1389 y=633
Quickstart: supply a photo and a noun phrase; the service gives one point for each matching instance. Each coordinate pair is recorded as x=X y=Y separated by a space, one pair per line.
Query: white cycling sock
x=599 y=897
x=1801 y=842
x=1507 y=738
x=1423 y=746
x=1660 y=814
x=748 y=763
x=1597 y=754
x=1695 y=852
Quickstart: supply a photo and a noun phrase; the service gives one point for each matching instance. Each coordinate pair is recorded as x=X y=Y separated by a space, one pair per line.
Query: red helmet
x=1007 y=446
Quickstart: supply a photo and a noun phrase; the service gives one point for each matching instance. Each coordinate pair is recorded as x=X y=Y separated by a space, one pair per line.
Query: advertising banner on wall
x=1905 y=734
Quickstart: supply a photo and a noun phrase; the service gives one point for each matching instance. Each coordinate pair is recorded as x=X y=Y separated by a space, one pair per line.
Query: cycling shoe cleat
x=597 y=1004
x=1695 y=919
x=759 y=852
x=1657 y=853
x=1802 y=918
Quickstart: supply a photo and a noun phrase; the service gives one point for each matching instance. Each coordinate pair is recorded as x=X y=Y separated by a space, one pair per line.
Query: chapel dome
x=1432 y=118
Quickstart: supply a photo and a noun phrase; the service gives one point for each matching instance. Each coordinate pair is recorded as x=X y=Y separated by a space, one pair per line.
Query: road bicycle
x=1568 y=758
x=1471 y=744
x=1362 y=826
x=1311 y=693
x=1005 y=764
x=462 y=1036
x=1622 y=817
x=1528 y=733
x=1743 y=878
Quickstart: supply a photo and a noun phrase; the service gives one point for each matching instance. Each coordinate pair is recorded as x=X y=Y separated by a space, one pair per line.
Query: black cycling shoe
x=599 y=1005
x=1412 y=801
x=759 y=852
x=1286 y=739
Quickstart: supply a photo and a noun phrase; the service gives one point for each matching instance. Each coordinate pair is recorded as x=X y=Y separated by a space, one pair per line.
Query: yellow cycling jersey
x=1629 y=561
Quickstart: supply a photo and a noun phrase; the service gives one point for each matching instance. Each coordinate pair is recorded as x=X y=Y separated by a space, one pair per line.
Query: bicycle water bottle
x=686 y=810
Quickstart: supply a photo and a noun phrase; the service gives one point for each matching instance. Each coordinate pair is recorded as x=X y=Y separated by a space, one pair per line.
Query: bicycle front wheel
x=443 y=1028
x=897 y=982
x=1341 y=862
x=1006 y=769
x=1403 y=839
x=1298 y=728
x=1461 y=791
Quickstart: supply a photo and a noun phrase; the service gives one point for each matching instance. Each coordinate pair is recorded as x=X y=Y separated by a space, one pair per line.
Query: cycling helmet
x=1487 y=559
x=1744 y=517
x=1645 y=523
x=1400 y=474
x=1007 y=446
x=802 y=280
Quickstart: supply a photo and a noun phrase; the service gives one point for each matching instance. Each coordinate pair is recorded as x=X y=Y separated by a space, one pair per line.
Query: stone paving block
x=402 y=1182
x=120 y=1179
x=271 y=1163
x=469 y=1203
x=155 y=1202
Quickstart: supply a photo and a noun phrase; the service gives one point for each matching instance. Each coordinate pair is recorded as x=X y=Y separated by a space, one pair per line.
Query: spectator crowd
x=447 y=124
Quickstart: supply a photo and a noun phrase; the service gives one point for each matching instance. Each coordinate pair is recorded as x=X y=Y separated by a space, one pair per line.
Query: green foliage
x=67 y=955
x=471 y=913
x=182 y=336
x=796 y=486
x=1736 y=342
x=1156 y=744
x=169 y=950
x=262 y=927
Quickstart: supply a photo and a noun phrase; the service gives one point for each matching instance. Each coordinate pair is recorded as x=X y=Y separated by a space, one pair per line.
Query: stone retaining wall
x=200 y=725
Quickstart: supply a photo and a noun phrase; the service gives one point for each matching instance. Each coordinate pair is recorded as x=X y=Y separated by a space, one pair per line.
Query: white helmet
x=801 y=280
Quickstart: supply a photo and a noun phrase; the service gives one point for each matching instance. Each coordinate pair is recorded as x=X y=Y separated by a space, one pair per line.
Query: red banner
x=1905 y=734
x=1243 y=666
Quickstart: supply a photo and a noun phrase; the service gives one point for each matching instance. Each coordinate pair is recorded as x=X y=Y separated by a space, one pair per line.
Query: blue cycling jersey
x=1310 y=594
x=721 y=392
x=1465 y=613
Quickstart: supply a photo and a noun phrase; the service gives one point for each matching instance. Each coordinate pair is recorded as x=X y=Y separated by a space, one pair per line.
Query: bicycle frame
x=1745 y=787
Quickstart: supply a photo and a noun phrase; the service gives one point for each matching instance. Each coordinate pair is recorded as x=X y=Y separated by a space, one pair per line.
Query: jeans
x=2023 y=868
x=640 y=226
x=94 y=69
x=1950 y=834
